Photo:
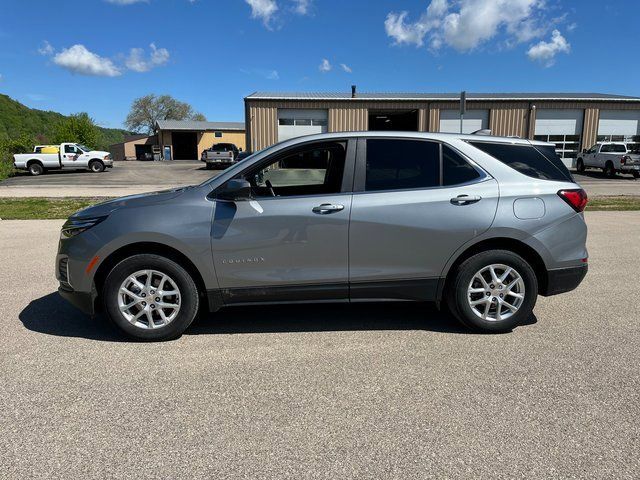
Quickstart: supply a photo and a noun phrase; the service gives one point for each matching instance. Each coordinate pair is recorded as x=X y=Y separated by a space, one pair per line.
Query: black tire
x=36 y=168
x=96 y=166
x=457 y=291
x=636 y=174
x=609 y=171
x=580 y=166
x=189 y=298
x=209 y=166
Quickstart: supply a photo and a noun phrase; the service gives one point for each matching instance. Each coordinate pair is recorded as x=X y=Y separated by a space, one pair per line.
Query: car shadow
x=52 y=315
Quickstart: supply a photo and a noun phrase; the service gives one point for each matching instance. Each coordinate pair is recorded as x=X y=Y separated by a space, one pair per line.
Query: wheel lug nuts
x=488 y=294
x=153 y=306
x=501 y=295
x=144 y=304
x=492 y=286
x=143 y=295
x=157 y=299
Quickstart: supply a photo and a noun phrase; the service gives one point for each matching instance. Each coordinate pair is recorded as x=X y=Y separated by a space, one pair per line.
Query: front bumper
x=85 y=302
x=563 y=280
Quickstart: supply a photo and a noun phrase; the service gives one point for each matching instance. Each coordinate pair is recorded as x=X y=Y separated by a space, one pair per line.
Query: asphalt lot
x=345 y=391
x=127 y=178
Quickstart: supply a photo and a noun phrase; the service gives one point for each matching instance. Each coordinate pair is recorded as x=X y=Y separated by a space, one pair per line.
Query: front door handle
x=465 y=199
x=327 y=208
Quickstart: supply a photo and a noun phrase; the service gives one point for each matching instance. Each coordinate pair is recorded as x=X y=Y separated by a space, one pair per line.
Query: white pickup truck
x=66 y=156
x=612 y=158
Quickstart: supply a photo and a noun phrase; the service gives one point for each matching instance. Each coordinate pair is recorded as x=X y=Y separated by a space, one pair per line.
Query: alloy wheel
x=149 y=299
x=496 y=292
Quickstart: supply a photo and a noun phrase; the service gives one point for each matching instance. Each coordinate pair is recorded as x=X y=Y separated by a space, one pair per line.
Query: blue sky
x=98 y=55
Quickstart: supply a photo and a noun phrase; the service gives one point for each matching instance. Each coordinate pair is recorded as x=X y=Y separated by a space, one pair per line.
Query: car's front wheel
x=150 y=297
x=493 y=291
x=580 y=165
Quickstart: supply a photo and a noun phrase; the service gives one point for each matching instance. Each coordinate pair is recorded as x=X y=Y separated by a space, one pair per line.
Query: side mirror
x=236 y=189
x=584 y=150
x=240 y=149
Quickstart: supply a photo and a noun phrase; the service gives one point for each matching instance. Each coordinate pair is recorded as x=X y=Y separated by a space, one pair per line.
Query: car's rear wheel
x=150 y=297
x=209 y=166
x=636 y=174
x=609 y=171
x=493 y=291
x=36 y=168
x=580 y=165
x=96 y=166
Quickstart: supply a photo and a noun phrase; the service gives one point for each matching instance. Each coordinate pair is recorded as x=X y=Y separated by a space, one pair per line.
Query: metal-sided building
x=572 y=121
x=186 y=139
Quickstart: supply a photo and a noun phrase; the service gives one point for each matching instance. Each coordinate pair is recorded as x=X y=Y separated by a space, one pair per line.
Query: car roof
x=420 y=135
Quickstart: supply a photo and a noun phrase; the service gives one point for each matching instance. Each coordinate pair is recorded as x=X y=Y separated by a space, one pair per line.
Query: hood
x=98 y=153
x=131 y=201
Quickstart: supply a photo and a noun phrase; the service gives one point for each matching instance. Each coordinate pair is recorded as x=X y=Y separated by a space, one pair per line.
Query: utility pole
x=463 y=107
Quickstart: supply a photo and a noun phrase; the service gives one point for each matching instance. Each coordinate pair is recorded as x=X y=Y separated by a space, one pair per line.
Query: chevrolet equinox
x=479 y=224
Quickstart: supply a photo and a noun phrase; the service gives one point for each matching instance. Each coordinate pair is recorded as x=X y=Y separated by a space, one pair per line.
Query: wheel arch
x=155 y=248
x=34 y=160
x=514 y=245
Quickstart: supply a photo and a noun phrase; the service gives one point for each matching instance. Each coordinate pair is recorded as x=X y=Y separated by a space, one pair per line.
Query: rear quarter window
x=539 y=162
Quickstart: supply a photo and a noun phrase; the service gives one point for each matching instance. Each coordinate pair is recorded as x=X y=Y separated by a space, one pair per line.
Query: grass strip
x=36 y=208
x=613 y=204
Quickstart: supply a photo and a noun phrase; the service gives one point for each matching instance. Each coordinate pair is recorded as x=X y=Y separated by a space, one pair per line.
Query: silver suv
x=481 y=225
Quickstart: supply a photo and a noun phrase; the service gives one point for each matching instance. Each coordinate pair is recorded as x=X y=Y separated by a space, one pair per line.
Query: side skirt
x=421 y=290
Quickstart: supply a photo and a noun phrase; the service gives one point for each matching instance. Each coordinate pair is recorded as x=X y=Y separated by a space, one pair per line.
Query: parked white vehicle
x=66 y=156
x=612 y=158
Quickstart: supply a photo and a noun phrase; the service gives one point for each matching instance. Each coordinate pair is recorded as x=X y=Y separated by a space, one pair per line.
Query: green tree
x=10 y=146
x=77 y=128
x=146 y=111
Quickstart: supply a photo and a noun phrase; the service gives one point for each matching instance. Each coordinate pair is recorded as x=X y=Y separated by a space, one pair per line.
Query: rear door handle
x=465 y=199
x=327 y=208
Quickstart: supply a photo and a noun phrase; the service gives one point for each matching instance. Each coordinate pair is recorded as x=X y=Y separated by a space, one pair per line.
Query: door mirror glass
x=236 y=189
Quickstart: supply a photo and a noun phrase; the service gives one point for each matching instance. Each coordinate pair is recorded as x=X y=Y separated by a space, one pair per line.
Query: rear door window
x=398 y=164
x=536 y=162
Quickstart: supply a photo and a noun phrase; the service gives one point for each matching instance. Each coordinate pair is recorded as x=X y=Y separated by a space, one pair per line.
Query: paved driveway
x=124 y=178
x=135 y=177
x=346 y=391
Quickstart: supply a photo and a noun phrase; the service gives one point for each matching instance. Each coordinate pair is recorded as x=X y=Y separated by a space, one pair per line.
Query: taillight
x=624 y=159
x=576 y=198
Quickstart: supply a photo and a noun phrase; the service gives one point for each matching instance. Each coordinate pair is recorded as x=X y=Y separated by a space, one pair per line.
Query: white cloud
x=126 y=2
x=302 y=7
x=467 y=24
x=46 y=49
x=137 y=61
x=263 y=10
x=545 y=52
x=78 y=59
x=325 y=66
x=346 y=68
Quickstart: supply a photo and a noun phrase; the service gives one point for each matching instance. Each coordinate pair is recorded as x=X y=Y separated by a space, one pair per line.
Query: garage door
x=473 y=120
x=619 y=126
x=294 y=123
x=564 y=129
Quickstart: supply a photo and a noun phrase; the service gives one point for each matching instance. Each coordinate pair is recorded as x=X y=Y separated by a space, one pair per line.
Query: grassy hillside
x=17 y=120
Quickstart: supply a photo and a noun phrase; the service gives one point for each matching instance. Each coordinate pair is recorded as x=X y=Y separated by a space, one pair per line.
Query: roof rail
x=483 y=131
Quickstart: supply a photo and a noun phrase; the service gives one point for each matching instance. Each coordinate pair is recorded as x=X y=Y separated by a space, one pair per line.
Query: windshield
x=83 y=148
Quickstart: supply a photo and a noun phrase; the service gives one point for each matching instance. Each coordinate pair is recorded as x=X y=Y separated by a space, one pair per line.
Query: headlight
x=74 y=226
x=107 y=157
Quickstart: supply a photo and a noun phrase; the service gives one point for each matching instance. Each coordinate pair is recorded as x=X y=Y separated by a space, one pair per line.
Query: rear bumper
x=563 y=280
x=82 y=300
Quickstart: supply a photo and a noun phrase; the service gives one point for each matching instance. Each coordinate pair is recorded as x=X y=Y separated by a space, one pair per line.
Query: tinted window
x=539 y=162
x=608 y=148
x=218 y=134
x=618 y=148
x=455 y=169
x=308 y=170
x=394 y=164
